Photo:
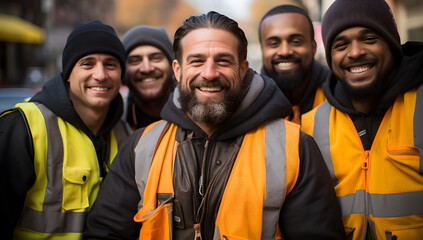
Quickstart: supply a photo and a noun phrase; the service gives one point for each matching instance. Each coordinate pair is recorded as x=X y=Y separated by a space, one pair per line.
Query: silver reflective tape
x=321 y=136
x=383 y=205
x=275 y=155
x=54 y=189
x=53 y=221
x=144 y=156
x=417 y=125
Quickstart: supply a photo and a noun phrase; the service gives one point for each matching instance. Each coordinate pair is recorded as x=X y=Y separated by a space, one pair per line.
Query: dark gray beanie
x=89 y=38
x=148 y=35
x=373 y=14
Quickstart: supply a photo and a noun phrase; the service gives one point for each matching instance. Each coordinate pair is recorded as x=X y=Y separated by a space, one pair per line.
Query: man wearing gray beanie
x=370 y=128
x=149 y=74
x=55 y=149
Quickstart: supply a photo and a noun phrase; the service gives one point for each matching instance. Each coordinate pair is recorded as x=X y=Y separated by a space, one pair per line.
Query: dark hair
x=210 y=20
x=286 y=9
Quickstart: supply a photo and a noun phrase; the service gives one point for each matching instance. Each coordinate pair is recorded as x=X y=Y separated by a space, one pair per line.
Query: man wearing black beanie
x=55 y=149
x=149 y=74
x=370 y=129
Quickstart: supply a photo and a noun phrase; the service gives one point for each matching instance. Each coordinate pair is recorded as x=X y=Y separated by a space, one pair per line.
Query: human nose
x=356 y=50
x=210 y=72
x=146 y=66
x=99 y=72
x=284 y=49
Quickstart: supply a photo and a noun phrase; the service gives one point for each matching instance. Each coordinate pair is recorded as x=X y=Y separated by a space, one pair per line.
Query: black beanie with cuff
x=89 y=38
x=372 y=14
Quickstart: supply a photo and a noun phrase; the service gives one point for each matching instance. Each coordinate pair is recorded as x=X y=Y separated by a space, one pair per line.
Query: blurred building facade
x=30 y=61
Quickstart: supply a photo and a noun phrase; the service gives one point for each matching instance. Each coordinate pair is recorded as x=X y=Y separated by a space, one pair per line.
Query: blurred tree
x=261 y=7
x=165 y=13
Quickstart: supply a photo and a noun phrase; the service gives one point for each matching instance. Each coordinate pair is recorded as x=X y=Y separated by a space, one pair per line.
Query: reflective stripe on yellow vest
x=67 y=176
x=265 y=170
x=382 y=187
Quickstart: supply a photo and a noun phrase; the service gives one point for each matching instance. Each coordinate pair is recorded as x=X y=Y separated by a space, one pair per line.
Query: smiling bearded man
x=212 y=111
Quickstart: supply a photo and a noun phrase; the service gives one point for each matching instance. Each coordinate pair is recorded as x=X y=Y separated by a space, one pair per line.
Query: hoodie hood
x=408 y=76
x=54 y=95
x=262 y=102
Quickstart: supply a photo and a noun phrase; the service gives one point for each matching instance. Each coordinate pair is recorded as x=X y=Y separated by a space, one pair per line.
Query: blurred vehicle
x=10 y=96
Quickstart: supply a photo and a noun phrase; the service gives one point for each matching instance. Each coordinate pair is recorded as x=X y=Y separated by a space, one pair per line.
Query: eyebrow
x=360 y=33
x=149 y=54
x=200 y=55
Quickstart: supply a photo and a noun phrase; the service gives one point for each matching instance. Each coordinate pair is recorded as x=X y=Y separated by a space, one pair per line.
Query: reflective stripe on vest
x=63 y=190
x=389 y=192
x=276 y=151
x=417 y=121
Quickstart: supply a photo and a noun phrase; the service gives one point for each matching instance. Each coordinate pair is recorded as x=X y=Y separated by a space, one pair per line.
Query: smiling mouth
x=102 y=89
x=148 y=80
x=359 y=69
x=285 y=64
x=210 y=89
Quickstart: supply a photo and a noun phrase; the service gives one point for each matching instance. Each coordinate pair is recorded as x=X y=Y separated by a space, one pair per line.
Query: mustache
x=279 y=59
x=206 y=83
x=357 y=62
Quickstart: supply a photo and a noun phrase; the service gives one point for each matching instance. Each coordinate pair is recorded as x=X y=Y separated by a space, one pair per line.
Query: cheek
x=267 y=57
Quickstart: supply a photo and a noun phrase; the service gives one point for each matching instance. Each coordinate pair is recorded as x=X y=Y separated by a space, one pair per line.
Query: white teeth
x=285 y=64
x=147 y=80
x=210 y=89
x=359 y=69
x=99 y=88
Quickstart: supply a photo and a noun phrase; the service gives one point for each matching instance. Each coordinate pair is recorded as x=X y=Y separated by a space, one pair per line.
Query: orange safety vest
x=319 y=98
x=264 y=172
x=380 y=190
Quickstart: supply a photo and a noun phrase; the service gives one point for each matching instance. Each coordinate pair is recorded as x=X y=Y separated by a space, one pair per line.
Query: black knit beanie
x=373 y=14
x=148 y=35
x=89 y=38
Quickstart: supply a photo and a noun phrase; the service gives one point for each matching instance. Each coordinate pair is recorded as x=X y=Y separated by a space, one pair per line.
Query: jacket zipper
x=201 y=190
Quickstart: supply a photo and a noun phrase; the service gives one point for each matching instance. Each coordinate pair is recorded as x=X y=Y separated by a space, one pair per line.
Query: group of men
x=204 y=147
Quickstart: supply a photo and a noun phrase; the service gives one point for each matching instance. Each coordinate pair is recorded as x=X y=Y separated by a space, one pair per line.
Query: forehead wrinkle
x=212 y=46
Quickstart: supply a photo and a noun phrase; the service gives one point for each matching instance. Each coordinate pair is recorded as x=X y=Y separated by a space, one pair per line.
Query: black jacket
x=318 y=76
x=17 y=150
x=310 y=211
x=409 y=74
x=141 y=119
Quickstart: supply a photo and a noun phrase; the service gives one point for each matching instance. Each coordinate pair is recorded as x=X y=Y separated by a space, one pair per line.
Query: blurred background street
x=33 y=32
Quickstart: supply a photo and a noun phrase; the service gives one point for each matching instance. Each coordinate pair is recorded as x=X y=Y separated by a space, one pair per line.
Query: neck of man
x=153 y=107
x=297 y=94
x=209 y=129
x=92 y=118
x=363 y=105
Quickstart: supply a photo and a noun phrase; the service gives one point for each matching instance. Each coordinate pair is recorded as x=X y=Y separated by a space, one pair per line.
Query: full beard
x=211 y=112
x=287 y=80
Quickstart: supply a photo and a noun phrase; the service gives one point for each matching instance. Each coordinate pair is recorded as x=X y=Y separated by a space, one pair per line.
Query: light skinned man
x=369 y=130
x=288 y=47
x=223 y=164
x=56 y=149
x=149 y=74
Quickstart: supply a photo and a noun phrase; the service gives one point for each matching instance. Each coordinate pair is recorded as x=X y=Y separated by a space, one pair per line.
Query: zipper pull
x=365 y=164
x=197 y=231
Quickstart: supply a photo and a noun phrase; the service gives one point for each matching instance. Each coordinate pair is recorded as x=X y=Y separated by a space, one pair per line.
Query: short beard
x=210 y=112
x=369 y=91
x=287 y=80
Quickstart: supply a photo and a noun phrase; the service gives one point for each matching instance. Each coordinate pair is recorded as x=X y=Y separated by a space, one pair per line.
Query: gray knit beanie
x=373 y=14
x=148 y=35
